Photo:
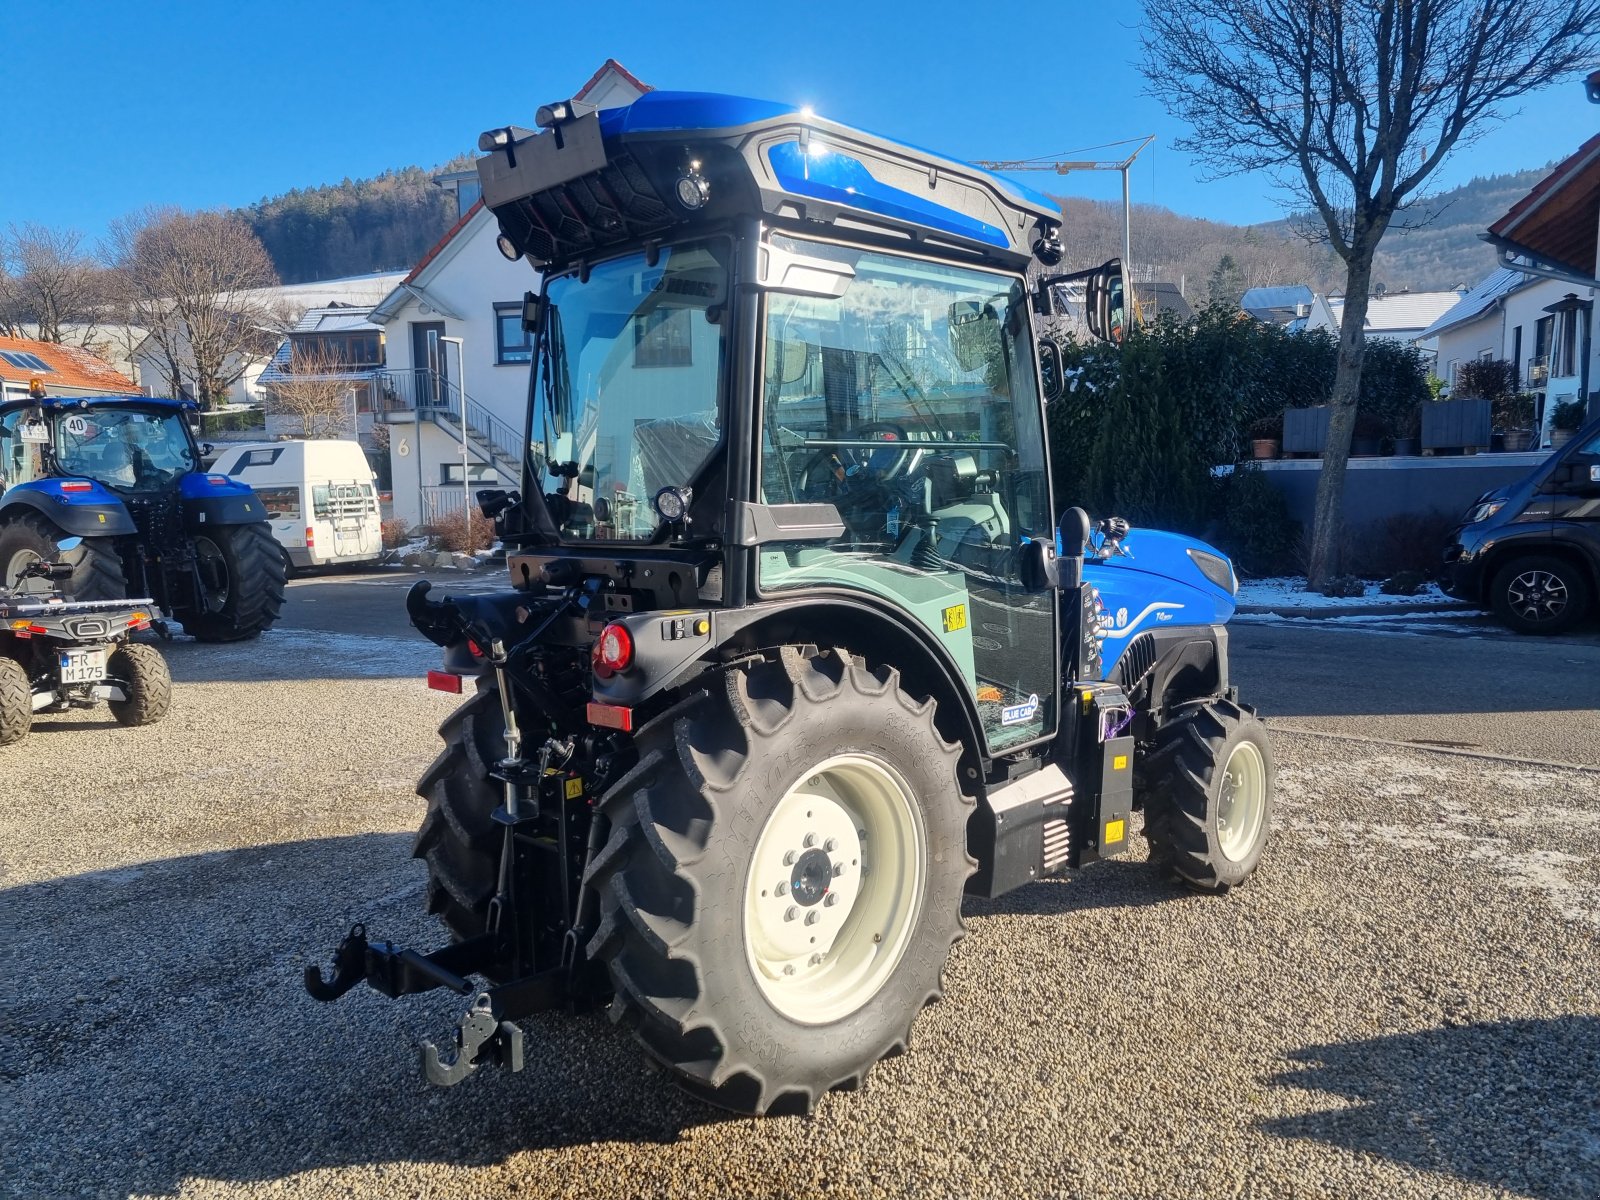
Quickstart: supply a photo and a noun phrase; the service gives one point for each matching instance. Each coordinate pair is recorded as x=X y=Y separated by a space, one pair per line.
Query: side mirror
x=1103 y=301
x=1050 y=368
x=68 y=544
x=972 y=329
x=207 y=449
x=532 y=312
x=493 y=501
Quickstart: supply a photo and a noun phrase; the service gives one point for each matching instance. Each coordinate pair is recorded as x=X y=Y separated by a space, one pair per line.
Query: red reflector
x=74 y=486
x=477 y=650
x=611 y=716
x=444 y=681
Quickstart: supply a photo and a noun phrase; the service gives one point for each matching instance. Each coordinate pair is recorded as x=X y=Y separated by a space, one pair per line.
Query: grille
x=1136 y=661
x=601 y=209
x=1057 y=834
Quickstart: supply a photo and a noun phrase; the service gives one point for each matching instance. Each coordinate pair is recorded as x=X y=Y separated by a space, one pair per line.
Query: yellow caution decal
x=574 y=787
x=1115 y=832
x=955 y=617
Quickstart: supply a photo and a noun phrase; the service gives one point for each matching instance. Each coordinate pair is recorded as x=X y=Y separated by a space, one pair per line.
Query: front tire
x=145 y=681
x=782 y=881
x=16 y=701
x=97 y=567
x=1540 y=594
x=1209 y=795
x=241 y=567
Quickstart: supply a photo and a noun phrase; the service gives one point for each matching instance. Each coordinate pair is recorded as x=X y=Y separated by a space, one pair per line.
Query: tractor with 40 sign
x=123 y=475
x=795 y=652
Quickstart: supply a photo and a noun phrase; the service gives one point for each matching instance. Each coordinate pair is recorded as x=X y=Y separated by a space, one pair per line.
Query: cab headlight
x=1484 y=511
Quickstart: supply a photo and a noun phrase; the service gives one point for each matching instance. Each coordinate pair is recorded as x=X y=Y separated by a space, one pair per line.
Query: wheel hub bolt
x=811 y=918
x=788 y=858
x=809 y=840
x=814 y=961
x=830 y=900
x=783 y=888
x=791 y=914
x=788 y=968
x=831 y=845
x=838 y=869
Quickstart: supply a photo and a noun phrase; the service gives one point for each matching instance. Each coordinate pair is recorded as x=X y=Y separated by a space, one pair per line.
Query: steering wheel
x=846 y=463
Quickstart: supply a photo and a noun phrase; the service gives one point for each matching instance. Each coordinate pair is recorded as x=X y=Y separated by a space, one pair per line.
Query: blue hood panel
x=1160 y=585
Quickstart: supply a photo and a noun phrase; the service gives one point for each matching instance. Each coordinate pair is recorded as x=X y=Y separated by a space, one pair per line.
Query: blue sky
x=112 y=106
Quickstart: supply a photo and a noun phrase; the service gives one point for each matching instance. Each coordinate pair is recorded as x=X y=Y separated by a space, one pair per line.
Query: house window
x=1516 y=350
x=663 y=338
x=1566 y=347
x=512 y=343
x=476 y=473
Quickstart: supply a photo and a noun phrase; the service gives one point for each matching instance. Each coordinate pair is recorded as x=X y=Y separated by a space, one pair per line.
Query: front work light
x=692 y=189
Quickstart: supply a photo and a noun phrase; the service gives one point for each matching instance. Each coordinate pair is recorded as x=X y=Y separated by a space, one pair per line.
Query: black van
x=1531 y=550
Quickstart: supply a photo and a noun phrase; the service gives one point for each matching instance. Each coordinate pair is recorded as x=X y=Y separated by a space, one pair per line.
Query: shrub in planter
x=454 y=531
x=1568 y=416
x=1254 y=526
x=1266 y=435
x=1367 y=437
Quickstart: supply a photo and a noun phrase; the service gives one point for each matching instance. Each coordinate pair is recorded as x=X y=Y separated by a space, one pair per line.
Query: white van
x=320 y=496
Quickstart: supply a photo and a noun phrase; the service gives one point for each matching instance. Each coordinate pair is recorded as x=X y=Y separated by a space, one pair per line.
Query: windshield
x=124 y=448
x=627 y=391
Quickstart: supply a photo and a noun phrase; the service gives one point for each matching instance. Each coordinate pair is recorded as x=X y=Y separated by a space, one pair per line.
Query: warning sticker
x=574 y=788
x=955 y=617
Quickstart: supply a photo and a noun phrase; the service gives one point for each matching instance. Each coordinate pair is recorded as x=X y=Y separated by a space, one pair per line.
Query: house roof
x=1400 y=312
x=336 y=318
x=1481 y=300
x=613 y=66
x=448 y=237
x=69 y=367
x=1555 y=221
x=1163 y=297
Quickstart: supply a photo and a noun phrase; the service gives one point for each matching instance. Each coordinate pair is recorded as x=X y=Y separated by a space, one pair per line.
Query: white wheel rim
x=835 y=888
x=1242 y=804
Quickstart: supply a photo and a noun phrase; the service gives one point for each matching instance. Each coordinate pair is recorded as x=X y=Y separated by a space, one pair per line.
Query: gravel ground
x=1405 y=1001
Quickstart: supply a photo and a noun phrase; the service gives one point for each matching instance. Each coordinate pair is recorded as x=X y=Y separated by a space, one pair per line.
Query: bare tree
x=315 y=391
x=1352 y=105
x=196 y=281
x=47 y=282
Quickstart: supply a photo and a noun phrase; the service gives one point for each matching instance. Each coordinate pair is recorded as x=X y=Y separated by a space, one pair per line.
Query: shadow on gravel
x=1112 y=884
x=155 y=1030
x=1508 y=1104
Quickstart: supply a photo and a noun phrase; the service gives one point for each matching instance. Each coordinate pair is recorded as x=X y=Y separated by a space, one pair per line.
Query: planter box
x=1305 y=430
x=1455 y=424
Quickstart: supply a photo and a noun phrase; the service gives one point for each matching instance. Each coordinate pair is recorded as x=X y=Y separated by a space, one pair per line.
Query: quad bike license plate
x=83 y=666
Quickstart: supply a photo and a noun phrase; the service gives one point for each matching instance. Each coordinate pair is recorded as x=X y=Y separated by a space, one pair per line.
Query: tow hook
x=480 y=1036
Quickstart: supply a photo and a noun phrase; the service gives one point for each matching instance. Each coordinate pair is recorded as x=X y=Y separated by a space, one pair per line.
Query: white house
x=455 y=339
x=1535 y=323
x=1402 y=316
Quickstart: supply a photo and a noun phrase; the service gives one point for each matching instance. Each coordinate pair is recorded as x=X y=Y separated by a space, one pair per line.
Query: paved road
x=1403 y=1003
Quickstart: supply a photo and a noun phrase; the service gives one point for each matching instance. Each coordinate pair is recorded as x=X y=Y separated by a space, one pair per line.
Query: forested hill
x=357 y=226
x=389 y=222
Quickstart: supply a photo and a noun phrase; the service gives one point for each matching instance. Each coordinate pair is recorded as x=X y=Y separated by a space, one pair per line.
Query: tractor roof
x=54 y=402
x=596 y=180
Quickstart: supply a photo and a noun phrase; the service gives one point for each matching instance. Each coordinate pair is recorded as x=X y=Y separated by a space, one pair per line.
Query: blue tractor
x=796 y=652
x=123 y=473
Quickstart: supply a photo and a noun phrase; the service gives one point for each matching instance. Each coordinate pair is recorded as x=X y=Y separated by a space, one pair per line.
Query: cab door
x=1575 y=493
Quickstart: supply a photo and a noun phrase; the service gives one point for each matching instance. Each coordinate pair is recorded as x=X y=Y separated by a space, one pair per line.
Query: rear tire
x=145 y=680
x=1540 y=594
x=16 y=702
x=772 y=768
x=1208 y=795
x=459 y=839
x=252 y=595
x=97 y=567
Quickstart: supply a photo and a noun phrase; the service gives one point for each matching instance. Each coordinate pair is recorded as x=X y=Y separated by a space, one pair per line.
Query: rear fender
x=207 y=500
x=89 y=510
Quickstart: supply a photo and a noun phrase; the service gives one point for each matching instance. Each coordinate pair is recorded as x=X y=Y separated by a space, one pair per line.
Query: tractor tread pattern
x=1176 y=778
x=457 y=839
x=98 y=574
x=258 y=588
x=662 y=816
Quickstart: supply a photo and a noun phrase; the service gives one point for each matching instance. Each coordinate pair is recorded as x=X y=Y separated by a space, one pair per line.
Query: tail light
x=311 y=537
x=613 y=651
x=74 y=485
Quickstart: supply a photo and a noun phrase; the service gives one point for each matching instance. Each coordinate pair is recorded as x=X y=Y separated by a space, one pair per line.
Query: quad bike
x=57 y=654
x=121 y=474
x=795 y=652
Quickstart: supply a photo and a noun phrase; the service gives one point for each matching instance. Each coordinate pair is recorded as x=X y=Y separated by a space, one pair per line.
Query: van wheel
x=1540 y=594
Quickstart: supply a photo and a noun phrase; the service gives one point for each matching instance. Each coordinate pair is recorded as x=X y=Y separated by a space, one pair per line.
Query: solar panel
x=28 y=362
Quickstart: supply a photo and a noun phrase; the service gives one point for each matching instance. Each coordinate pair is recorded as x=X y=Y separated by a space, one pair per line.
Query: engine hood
x=1159 y=582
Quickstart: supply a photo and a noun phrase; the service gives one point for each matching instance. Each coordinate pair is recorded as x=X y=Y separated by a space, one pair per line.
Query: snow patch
x=1290 y=591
